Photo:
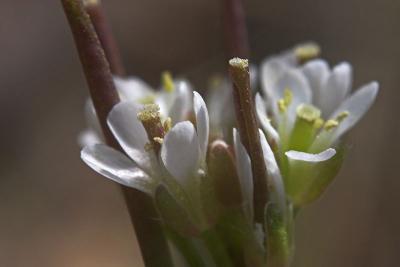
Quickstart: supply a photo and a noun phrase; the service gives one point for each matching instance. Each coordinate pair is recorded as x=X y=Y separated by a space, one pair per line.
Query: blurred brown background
x=55 y=212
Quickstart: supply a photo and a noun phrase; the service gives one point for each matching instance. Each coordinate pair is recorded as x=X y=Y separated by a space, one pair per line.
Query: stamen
x=333 y=123
x=342 y=116
x=330 y=125
x=282 y=106
x=285 y=102
x=151 y=120
x=318 y=123
x=158 y=140
x=167 y=81
x=306 y=52
x=288 y=96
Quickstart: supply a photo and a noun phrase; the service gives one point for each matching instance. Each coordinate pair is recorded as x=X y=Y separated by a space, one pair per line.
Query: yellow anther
x=282 y=106
x=167 y=81
x=308 y=113
x=287 y=96
x=167 y=124
x=331 y=124
x=285 y=102
x=318 y=123
x=342 y=116
x=307 y=51
x=149 y=112
x=158 y=140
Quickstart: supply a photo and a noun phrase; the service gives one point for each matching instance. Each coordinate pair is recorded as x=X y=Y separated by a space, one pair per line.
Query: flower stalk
x=100 y=23
x=236 y=37
x=97 y=71
x=248 y=129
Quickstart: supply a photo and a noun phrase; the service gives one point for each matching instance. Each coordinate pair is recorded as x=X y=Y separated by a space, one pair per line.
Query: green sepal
x=173 y=213
x=306 y=181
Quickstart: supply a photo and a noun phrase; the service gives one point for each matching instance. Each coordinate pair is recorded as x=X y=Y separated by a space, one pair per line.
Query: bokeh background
x=54 y=211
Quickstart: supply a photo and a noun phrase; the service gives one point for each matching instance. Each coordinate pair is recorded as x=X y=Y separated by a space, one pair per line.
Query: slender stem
x=249 y=134
x=236 y=37
x=103 y=29
x=152 y=242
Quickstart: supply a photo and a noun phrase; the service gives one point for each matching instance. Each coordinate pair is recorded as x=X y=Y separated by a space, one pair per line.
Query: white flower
x=182 y=149
x=174 y=100
x=307 y=108
x=163 y=161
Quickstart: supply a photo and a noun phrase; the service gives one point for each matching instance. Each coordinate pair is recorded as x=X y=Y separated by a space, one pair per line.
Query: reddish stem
x=103 y=29
x=236 y=37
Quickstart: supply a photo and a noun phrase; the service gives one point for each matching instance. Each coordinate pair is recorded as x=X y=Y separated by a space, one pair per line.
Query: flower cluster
x=203 y=186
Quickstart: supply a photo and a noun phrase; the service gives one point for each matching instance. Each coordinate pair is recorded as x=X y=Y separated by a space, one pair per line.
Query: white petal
x=273 y=173
x=88 y=137
x=265 y=122
x=202 y=123
x=272 y=70
x=253 y=77
x=116 y=166
x=132 y=88
x=316 y=71
x=335 y=88
x=307 y=157
x=129 y=131
x=180 y=152
x=244 y=172
x=182 y=103
x=297 y=83
x=357 y=105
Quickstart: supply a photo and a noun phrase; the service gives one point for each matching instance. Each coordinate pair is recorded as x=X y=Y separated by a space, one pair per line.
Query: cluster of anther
x=310 y=113
x=151 y=119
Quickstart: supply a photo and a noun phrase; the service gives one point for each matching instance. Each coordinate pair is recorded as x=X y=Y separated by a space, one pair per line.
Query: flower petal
x=295 y=81
x=180 y=152
x=182 y=103
x=202 y=123
x=116 y=166
x=88 y=137
x=274 y=175
x=129 y=132
x=265 y=122
x=316 y=71
x=307 y=157
x=243 y=164
x=132 y=88
x=335 y=88
x=357 y=105
x=272 y=70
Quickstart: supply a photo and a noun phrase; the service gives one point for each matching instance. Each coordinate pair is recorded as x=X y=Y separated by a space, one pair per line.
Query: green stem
x=187 y=249
x=217 y=248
